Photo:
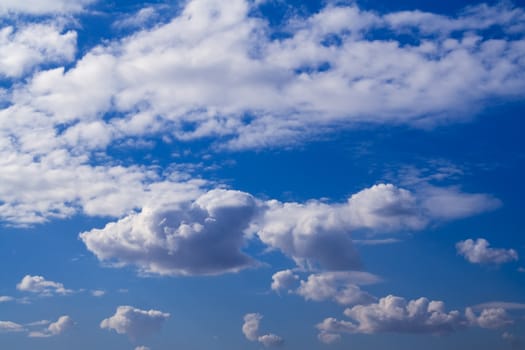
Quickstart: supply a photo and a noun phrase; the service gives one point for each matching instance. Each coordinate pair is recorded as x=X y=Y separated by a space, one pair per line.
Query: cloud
x=9 y=327
x=393 y=314
x=5 y=299
x=29 y=45
x=479 y=252
x=341 y=287
x=203 y=236
x=328 y=338
x=250 y=329
x=329 y=71
x=56 y=328
x=142 y=348
x=39 y=285
x=135 y=323
x=98 y=293
x=43 y=7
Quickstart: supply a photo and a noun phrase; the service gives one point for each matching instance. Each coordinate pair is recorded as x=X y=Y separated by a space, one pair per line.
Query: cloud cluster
x=39 y=285
x=480 y=252
x=250 y=329
x=328 y=70
x=205 y=235
x=134 y=322
x=393 y=314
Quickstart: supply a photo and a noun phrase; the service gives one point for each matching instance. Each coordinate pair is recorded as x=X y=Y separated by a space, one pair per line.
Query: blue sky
x=262 y=174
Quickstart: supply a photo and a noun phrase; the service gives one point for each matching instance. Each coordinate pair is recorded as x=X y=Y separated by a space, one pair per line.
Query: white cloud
x=142 y=348
x=479 y=252
x=328 y=72
x=56 y=328
x=23 y=48
x=203 y=236
x=491 y=318
x=98 y=293
x=284 y=280
x=250 y=329
x=341 y=287
x=43 y=7
x=5 y=299
x=8 y=327
x=41 y=286
x=135 y=323
x=393 y=314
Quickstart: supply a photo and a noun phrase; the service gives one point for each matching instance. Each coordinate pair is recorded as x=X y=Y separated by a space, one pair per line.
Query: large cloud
x=393 y=314
x=328 y=70
x=204 y=236
x=480 y=252
x=135 y=323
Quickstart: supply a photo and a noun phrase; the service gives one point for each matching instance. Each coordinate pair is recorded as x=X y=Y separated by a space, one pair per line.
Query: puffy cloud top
x=480 y=252
x=135 y=322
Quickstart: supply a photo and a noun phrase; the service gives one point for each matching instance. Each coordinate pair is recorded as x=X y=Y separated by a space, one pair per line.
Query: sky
x=252 y=174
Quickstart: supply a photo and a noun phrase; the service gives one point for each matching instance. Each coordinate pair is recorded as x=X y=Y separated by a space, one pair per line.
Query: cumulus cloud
x=39 y=285
x=329 y=70
x=204 y=236
x=56 y=328
x=135 y=323
x=27 y=46
x=480 y=252
x=339 y=286
x=43 y=7
x=393 y=314
x=250 y=329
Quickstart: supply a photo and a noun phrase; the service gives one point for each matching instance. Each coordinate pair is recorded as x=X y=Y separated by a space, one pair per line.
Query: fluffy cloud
x=43 y=7
x=329 y=70
x=60 y=326
x=41 y=286
x=250 y=329
x=393 y=314
x=5 y=299
x=135 y=322
x=204 y=236
x=340 y=286
x=479 y=252
x=23 y=48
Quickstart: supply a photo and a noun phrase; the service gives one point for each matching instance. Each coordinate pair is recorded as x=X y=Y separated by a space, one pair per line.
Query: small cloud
x=480 y=252
x=250 y=329
x=5 y=299
x=39 y=285
x=98 y=293
x=56 y=328
x=135 y=323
